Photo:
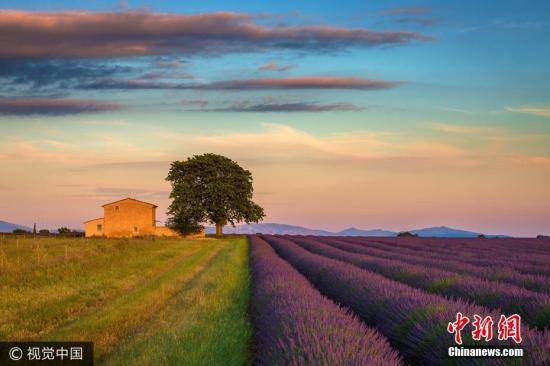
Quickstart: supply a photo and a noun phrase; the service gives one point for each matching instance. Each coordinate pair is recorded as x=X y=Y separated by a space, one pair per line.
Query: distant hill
x=448 y=232
x=8 y=227
x=276 y=229
x=284 y=229
x=358 y=232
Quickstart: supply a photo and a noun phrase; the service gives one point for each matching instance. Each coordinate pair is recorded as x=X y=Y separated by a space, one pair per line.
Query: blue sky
x=451 y=99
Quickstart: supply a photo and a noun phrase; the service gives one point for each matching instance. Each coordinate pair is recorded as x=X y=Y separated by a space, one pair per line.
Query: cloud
x=49 y=78
x=195 y=102
x=287 y=107
x=283 y=144
x=542 y=111
x=128 y=84
x=543 y=161
x=272 y=66
x=106 y=123
x=298 y=82
x=512 y=24
x=456 y=110
x=462 y=129
x=156 y=75
x=415 y=20
x=119 y=34
x=279 y=142
x=410 y=15
x=59 y=73
x=169 y=64
x=131 y=192
x=54 y=107
x=407 y=11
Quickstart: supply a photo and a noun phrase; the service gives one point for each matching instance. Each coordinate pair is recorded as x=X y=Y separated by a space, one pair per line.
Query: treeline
x=62 y=231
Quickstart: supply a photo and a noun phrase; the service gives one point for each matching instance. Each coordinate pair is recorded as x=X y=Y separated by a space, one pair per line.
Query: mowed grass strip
x=118 y=319
x=37 y=299
x=204 y=324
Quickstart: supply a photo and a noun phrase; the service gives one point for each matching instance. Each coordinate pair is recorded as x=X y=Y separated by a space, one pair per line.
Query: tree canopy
x=210 y=188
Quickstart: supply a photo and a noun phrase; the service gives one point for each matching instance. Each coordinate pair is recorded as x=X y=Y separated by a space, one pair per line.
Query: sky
x=369 y=114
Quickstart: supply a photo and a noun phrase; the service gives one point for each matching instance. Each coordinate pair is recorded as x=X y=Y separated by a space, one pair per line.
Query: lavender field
x=383 y=301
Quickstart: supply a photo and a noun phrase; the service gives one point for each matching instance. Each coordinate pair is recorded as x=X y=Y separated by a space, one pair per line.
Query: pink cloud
x=297 y=82
x=301 y=82
x=272 y=66
x=117 y=34
x=287 y=107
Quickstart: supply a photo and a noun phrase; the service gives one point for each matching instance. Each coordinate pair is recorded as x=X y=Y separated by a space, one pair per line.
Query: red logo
x=508 y=327
x=482 y=328
x=457 y=326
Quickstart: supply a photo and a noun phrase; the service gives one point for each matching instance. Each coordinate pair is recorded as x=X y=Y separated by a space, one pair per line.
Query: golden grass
x=106 y=291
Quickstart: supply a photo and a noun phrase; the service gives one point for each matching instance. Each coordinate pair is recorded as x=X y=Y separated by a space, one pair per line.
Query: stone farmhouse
x=127 y=217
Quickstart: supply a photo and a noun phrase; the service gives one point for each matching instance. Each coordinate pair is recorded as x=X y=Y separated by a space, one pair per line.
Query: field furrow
x=532 y=306
x=502 y=274
x=296 y=325
x=205 y=323
x=413 y=320
x=120 y=293
x=488 y=247
x=61 y=294
x=523 y=263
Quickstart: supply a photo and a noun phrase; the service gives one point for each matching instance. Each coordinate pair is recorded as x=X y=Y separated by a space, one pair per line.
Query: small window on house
x=135 y=229
x=116 y=208
x=99 y=227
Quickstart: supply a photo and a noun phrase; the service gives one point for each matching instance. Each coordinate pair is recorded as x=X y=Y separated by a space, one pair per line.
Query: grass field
x=273 y=300
x=141 y=301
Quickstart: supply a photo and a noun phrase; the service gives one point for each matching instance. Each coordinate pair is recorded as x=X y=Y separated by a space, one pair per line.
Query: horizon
x=391 y=115
x=333 y=231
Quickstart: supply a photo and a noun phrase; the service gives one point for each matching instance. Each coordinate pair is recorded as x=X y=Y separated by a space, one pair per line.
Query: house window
x=116 y=208
x=99 y=227
x=135 y=229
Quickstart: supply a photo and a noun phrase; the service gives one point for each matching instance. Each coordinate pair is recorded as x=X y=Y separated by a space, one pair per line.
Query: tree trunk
x=219 y=229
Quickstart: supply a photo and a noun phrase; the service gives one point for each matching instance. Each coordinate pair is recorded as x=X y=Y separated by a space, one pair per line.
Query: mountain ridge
x=8 y=227
x=286 y=229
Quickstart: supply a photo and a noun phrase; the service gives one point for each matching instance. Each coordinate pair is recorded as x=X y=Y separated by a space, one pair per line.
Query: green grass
x=141 y=301
x=205 y=324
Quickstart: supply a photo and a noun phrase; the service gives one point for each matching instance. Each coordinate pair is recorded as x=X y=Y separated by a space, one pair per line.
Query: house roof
x=99 y=218
x=131 y=199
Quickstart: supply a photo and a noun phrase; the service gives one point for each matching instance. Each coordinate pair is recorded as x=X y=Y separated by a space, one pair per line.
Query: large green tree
x=213 y=189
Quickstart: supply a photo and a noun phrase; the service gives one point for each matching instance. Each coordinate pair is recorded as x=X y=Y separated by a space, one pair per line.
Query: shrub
x=407 y=234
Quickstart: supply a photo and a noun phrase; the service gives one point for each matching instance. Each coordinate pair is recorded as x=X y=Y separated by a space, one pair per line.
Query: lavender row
x=478 y=252
x=511 y=262
x=296 y=325
x=502 y=274
x=534 y=307
x=414 y=321
x=484 y=248
x=529 y=245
